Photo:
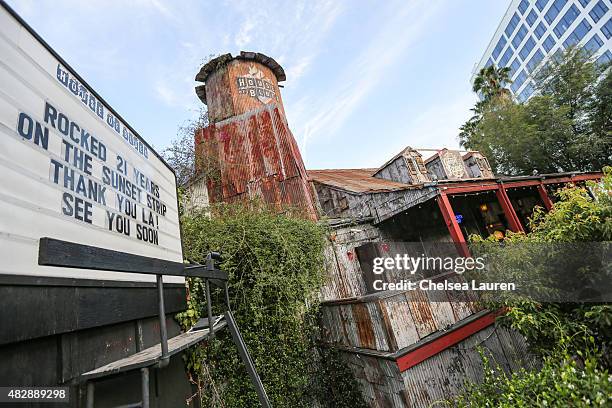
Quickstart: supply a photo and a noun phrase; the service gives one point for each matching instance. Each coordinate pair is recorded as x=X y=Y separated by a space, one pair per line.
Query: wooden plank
x=28 y=312
x=151 y=355
x=55 y=252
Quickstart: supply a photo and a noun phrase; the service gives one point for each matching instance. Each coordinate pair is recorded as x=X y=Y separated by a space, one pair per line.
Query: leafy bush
x=574 y=339
x=560 y=382
x=275 y=264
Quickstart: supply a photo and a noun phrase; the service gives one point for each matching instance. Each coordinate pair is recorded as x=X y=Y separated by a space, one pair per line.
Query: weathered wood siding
x=344 y=276
x=440 y=377
x=389 y=321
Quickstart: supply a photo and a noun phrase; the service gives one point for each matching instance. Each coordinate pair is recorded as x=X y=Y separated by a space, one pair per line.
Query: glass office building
x=532 y=31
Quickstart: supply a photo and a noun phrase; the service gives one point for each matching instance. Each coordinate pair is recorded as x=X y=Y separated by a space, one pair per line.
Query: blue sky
x=364 y=78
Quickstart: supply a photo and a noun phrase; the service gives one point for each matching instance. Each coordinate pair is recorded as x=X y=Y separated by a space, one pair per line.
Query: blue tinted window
x=499 y=47
x=518 y=81
x=526 y=93
x=605 y=58
x=514 y=67
x=566 y=21
x=503 y=61
x=549 y=43
x=512 y=25
x=523 y=6
x=558 y=55
x=518 y=38
x=531 y=18
x=554 y=10
x=529 y=44
x=540 y=4
x=584 y=2
x=607 y=29
x=538 y=56
x=540 y=30
x=593 y=44
x=578 y=34
x=598 y=11
x=489 y=63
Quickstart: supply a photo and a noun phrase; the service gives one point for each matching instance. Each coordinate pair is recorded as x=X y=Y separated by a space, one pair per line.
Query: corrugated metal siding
x=257 y=156
x=440 y=377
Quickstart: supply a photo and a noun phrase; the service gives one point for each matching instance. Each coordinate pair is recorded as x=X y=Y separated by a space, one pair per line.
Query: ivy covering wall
x=276 y=267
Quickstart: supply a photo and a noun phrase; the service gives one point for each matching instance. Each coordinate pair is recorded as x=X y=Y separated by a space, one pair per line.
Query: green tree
x=566 y=126
x=573 y=339
x=491 y=81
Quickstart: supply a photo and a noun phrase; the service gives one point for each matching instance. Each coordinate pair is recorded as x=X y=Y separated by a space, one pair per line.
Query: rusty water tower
x=247 y=151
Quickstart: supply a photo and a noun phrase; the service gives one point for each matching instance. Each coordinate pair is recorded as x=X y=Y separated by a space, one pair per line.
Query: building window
x=526 y=50
x=607 y=29
x=605 y=58
x=578 y=34
x=593 y=44
x=554 y=10
x=499 y=47
x=549 y=43
x=516 y=64
x=566 y=21
x=584 y=2
x=526 y=93
x=598 y=11
x=540 y=30
x=540 y=4
x=531 y=18
x=538 y=56
x=558 y=55
x=512 y=25
x=503 y=61
x=489 y=63
x=520 y=35
x=523 y=6
x=518 y=81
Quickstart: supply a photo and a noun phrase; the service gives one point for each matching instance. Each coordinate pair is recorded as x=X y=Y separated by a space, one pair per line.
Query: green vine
x=275 y=265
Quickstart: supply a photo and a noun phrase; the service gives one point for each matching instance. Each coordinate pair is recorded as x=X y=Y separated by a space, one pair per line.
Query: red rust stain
x=258 y=158
x=364 y=326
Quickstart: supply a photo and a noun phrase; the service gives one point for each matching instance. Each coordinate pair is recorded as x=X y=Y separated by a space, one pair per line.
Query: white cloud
x=243 y=37
x=405 y=23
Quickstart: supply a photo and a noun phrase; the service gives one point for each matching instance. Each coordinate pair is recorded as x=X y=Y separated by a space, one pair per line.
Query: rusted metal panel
x=257 y=157
x=237 y=85
x=355 y=180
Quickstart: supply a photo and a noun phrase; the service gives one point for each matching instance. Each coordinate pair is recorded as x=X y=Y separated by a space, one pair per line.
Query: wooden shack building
x=406 y=349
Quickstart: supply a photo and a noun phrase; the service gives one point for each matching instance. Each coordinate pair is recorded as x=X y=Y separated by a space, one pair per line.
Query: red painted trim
x=506 y=204
x=468 y=188
x=453 y=227
x=573 y=179
x=447 y=340
x=478 y=186
x=544 y=197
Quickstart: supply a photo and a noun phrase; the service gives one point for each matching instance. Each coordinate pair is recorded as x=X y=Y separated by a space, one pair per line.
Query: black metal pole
x=211 y=329
x=90 y=395
x=144 y=383
x=163 y=332
x=246 y=358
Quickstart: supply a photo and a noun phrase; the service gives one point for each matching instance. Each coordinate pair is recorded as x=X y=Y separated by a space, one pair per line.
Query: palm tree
x=491 y=82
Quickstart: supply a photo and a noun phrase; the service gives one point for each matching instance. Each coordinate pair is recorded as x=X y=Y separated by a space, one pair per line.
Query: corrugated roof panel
x=356 y=180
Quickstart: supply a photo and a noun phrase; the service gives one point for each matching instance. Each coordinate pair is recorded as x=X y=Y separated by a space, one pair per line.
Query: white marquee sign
x=70 y=169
